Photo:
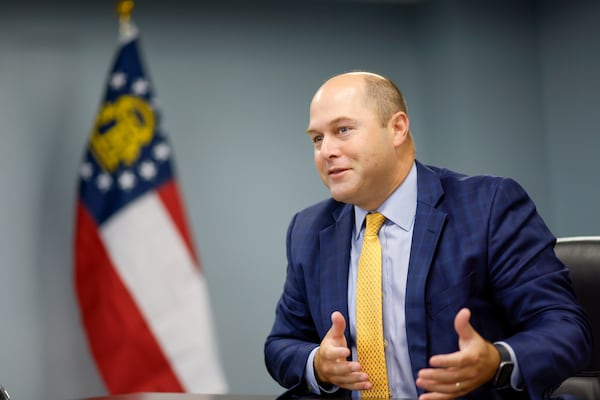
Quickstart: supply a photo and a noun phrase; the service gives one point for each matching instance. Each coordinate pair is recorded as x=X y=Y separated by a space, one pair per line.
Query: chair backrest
x=3 y=394
x=581 y=255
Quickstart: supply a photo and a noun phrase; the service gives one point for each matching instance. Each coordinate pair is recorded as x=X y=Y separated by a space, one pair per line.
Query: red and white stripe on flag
x=143 y=298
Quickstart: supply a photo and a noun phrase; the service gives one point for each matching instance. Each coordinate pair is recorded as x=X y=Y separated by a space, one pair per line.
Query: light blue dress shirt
x=396 y=237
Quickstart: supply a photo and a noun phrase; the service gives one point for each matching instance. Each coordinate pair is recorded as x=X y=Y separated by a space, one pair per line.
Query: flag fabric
x=143 y=298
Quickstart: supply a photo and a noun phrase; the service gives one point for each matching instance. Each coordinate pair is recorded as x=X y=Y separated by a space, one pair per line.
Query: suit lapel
x=429 y=223
x=335 y=260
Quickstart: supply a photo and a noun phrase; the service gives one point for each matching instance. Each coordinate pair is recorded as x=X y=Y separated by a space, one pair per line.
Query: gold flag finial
x=124 y=9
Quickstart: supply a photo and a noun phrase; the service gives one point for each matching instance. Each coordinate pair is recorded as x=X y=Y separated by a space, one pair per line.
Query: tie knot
x=374 y=222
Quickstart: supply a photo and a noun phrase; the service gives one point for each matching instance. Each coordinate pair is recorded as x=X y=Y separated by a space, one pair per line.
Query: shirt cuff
x=311 y=379
x=516 y=380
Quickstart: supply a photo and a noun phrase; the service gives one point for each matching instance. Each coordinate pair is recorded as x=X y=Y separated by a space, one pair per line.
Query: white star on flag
x=140 y=87
x=104 y=181
x=161 y=151
x=126 y=180
x=118 y=80
x=147 y=170
x=86 y=170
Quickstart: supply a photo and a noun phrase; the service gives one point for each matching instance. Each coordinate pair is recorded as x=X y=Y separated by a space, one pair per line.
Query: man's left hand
x=453 y=375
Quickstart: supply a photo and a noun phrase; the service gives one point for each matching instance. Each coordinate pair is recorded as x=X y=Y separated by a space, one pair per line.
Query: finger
x=341 y=369
x=351 y=378
x=354 y=381
x=463 y=327
x=335 y=353
x=338 y=325
x=334 y=344
x=436 y=396
x=439 y=375
x=356 y=386
x=452 y=389
x=330 y=364
x=347 y=374
x=444 y=361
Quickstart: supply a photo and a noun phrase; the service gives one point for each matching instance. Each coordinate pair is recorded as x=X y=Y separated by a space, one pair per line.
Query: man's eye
x=343 y=129
x=317 y=139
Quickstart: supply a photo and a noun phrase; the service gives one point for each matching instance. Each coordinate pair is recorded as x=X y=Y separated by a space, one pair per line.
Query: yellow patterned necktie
x=369 y=314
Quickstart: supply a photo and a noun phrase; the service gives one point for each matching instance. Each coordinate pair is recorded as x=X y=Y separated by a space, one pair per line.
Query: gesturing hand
x=331 y=365
x=458 y=373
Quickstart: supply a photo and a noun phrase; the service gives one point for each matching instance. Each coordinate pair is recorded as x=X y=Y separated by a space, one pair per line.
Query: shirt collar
x=399 y=208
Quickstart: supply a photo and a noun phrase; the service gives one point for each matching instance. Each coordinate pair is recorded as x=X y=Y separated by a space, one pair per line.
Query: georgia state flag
x=142 y=295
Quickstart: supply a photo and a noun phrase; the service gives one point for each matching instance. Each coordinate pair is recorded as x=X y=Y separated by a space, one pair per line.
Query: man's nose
x=329 y=147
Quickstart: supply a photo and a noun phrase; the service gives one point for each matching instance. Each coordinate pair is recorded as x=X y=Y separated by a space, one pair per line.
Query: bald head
x=377 y=92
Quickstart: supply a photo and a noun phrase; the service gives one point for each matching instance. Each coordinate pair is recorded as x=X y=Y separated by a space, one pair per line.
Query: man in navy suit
x=475 y=302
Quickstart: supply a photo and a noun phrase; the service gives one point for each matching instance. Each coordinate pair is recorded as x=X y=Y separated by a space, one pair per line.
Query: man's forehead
x=337 y=94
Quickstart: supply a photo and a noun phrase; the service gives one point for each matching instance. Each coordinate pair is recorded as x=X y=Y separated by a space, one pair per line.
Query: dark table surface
x=184 y=396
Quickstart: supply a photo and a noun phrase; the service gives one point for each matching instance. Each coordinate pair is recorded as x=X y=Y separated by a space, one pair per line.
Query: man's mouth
x=336 y=171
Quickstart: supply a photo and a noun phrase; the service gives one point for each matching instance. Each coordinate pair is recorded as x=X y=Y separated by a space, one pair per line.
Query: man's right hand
x=331 y=365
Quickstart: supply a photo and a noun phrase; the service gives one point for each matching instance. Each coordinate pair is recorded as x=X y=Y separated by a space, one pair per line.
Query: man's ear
x=400 y=126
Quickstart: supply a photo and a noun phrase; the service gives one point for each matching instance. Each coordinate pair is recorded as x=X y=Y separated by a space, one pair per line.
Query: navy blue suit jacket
x=478 y=242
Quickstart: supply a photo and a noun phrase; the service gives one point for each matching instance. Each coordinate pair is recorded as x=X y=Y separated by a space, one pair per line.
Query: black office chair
x=3 y=394
x=581 y=255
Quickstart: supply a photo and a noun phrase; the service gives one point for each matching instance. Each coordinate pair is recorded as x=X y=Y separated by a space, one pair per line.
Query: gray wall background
x=502 y=87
